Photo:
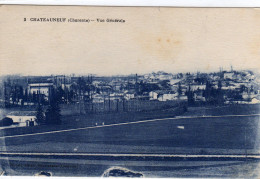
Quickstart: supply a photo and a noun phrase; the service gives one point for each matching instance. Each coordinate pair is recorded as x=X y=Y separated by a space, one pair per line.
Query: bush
x=6 y=121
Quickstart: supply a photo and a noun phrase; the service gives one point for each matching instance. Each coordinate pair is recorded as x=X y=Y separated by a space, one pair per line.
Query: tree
x=212 y=95
x=190 y=96
x=34 y=97
x=208 y=92
x=60 y=95
x=52 y=113
x=165 y=84
x=71 y=95
x=219 y=85
x=220 y=94
x=40 y=119
x=147 y=87
x=179 y=89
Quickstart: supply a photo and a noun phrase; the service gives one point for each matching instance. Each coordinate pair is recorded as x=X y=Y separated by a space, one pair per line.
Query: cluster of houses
x=237 y=86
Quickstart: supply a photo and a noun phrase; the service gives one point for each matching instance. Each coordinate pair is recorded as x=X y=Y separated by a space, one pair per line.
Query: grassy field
x=202 y=130
x=226 y=132
x=75 y=121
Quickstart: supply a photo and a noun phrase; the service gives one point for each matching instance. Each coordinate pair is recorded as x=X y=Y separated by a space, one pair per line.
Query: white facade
x=40 y=88
x=183 y=97
x=153 y=95
x=22 y=120
x=168 y=97
x=199 y=97
x=129 y=96
x=255 y=101
x=198 y=87
x=162 y=95
x=97 y=98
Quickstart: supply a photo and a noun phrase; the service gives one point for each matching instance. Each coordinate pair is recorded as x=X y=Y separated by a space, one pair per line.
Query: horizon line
x=131 y=74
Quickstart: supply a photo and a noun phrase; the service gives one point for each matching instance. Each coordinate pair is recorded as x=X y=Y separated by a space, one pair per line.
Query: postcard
x=162 y=92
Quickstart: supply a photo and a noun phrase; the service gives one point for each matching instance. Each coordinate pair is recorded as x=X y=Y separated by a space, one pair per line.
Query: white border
x=175 y=3
x=170 y=3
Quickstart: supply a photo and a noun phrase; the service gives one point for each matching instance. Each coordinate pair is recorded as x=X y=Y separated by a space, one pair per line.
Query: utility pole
x=136 y=84
x=79 y=95
x=39 y=94
x=109 y=100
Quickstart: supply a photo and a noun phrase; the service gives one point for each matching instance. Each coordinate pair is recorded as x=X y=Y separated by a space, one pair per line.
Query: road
x=149 y=166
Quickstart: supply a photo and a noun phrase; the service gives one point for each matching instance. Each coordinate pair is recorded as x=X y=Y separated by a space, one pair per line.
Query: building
x=22 y=118
x=255 y=101
x=129 y=95
x=163 y=95
x=61 y=81
x=116 y=96
x=98 y=98
x=40 y=89
x=198 y=96
x=228 y=75
x=168 y=96
x=195 y=87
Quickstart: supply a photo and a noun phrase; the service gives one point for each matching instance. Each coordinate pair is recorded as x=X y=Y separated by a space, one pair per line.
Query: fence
x=109 y=106
x=131 y=105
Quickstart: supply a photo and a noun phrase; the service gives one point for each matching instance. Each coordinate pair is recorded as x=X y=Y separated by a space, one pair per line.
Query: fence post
x=123 y=102
x=117 y=101
x=109 y=103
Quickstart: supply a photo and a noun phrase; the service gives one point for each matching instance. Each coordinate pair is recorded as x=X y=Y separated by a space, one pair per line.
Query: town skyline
x=227 y=68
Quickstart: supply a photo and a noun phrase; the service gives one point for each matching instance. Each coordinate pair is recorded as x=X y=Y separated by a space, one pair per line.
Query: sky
x=152 y=39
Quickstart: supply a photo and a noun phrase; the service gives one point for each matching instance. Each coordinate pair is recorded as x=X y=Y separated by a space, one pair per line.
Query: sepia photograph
x=154 y=92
